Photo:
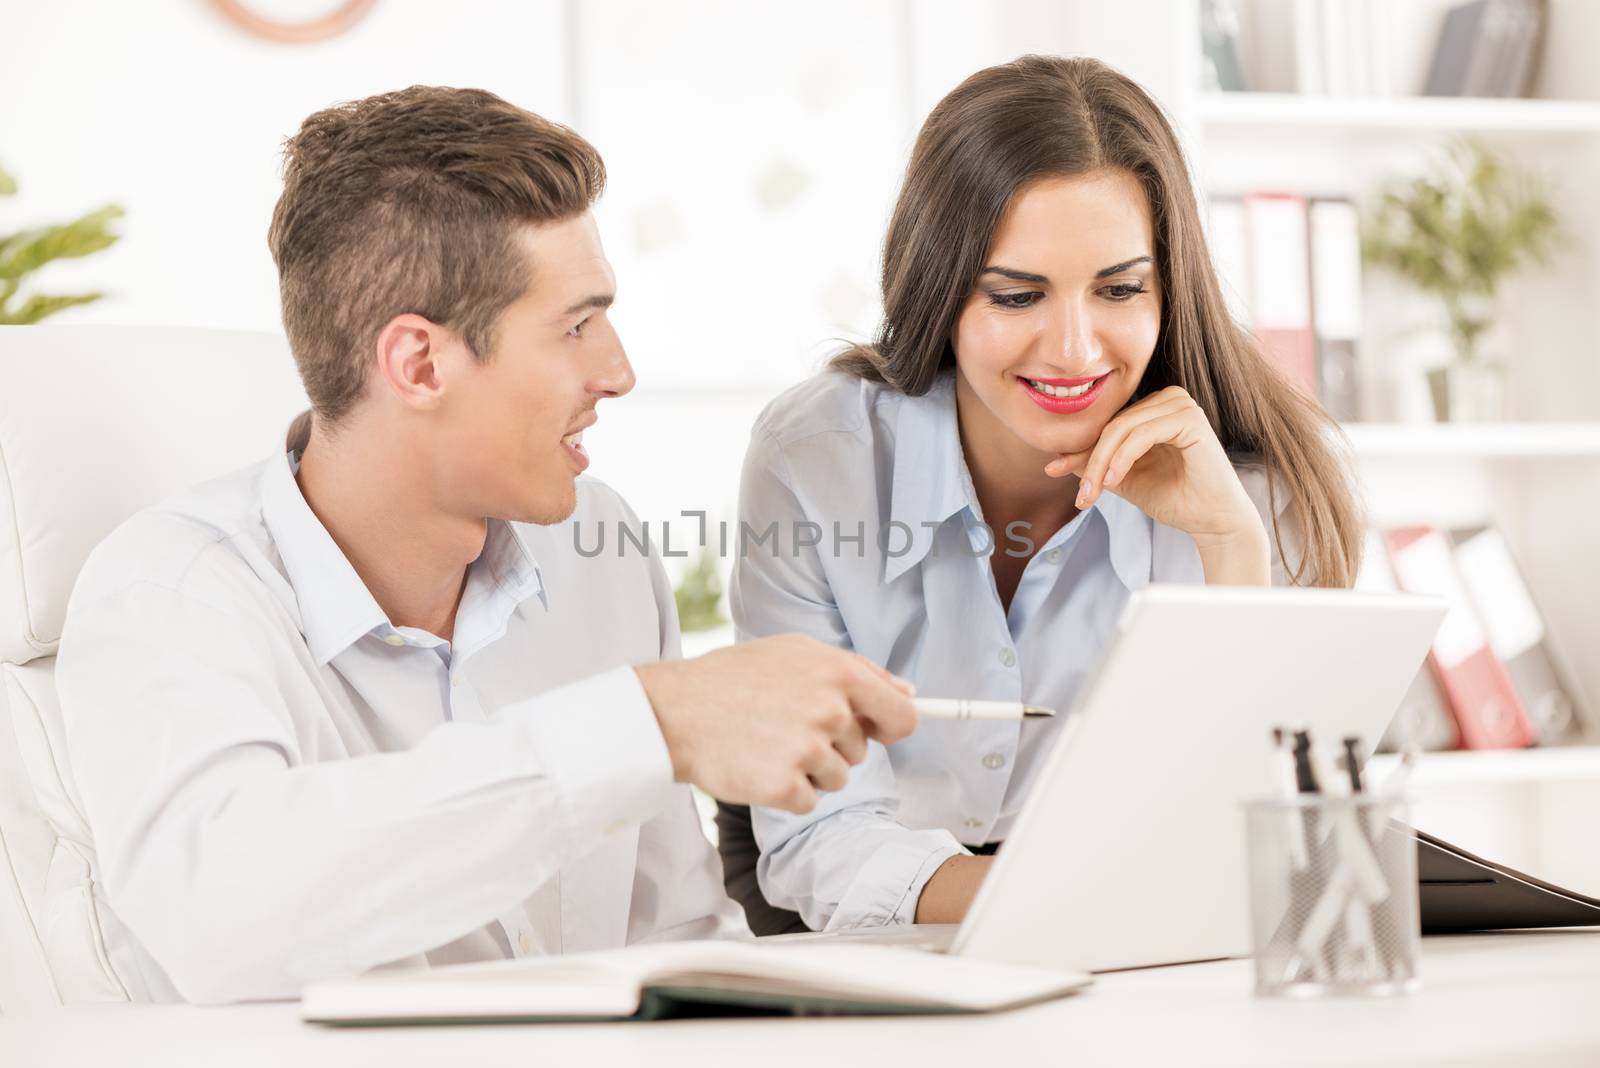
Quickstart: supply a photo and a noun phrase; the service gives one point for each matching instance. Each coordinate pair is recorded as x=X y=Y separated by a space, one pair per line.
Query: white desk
x=1508 y=1000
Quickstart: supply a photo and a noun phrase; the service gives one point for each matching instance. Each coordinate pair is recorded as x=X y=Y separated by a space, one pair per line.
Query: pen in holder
x=1333 y=895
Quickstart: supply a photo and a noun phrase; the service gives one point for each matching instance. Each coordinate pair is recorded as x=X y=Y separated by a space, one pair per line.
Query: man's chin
x=556 y=505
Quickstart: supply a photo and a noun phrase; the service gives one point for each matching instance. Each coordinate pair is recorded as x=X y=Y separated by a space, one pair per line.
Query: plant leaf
x=1462 y=227
x=38 y=307
x=25 y=252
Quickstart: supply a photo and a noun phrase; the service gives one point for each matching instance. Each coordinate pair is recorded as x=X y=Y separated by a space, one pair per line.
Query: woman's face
x=1058 y=330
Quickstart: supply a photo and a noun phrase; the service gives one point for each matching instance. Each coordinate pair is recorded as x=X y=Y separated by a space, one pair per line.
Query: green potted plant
x=699 y=595
x=26 y=251
x=1457 y=232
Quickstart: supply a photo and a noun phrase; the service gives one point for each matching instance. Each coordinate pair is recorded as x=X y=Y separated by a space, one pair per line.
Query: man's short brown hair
x=410 y=202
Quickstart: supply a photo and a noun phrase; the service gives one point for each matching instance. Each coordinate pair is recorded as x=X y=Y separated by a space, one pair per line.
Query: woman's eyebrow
x=1039 y=279
x=1014 y=275
x=1118 y=268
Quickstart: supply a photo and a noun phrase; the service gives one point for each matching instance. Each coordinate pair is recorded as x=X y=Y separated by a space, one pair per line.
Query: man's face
x=514 y=422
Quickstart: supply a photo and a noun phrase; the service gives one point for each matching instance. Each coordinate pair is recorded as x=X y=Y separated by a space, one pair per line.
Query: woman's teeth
x=573 y=439
x=1061 y=391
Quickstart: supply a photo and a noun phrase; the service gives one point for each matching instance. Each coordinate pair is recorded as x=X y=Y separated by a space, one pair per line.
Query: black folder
x=1460 y=892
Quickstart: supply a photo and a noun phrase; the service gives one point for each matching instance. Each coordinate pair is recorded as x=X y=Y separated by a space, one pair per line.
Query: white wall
x=165 y=108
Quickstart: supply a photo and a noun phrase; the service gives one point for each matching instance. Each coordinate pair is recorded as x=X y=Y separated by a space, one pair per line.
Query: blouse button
x=1053 y=556
x=994 y=761
x=394 y=639
x=1007 y=657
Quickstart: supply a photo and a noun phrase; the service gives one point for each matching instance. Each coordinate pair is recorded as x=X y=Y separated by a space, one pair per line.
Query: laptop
x=1130 y=851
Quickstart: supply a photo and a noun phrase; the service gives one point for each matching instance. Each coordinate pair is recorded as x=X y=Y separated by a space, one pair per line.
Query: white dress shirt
x=900 y=573
x=284 y=787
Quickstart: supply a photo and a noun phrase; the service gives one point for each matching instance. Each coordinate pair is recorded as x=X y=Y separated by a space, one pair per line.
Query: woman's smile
x=1064 y=396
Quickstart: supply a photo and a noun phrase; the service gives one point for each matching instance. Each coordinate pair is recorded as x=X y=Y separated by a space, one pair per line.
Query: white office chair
x=96 y=422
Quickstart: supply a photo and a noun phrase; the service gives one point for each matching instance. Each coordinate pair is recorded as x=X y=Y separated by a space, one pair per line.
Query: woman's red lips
x=1067 y=381
x=1065 y=405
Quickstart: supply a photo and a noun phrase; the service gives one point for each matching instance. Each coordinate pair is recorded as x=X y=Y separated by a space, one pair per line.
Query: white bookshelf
x=1474 y=441
x=1440 y=771
x=1271 y=114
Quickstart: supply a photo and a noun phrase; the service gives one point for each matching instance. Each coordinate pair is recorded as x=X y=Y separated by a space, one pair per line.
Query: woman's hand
x=1162 y=455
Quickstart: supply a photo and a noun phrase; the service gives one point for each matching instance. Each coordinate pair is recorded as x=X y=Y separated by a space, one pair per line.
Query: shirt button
x=994 y=761
x=614 y=827
x=1053 y=556
x=393 y=639
x=523 y=943
x=972 y=823
x=1007 y=657
x=455 y=680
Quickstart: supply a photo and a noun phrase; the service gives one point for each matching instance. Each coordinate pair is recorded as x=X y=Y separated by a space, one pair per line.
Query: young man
x=361 y=703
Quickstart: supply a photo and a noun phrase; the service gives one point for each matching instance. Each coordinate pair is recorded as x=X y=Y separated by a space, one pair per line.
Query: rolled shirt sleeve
x=849 y=862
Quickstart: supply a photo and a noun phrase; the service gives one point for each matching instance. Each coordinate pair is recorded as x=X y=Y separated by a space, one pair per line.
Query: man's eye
x=1016 y=300
x=577 y=330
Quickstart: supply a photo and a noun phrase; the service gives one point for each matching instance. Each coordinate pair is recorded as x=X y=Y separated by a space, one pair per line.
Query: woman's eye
x=1127 y=291
x=1016 y=300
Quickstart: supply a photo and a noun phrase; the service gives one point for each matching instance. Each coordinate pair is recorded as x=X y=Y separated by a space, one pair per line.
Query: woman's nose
x=1075 y=341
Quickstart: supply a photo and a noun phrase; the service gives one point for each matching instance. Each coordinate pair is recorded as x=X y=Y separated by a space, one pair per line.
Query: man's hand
x=773 y=721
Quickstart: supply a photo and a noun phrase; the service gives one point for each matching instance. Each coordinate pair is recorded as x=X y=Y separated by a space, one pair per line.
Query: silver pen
x=966 y=708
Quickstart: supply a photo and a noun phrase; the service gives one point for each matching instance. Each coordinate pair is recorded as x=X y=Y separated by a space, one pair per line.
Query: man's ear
x=411 y=350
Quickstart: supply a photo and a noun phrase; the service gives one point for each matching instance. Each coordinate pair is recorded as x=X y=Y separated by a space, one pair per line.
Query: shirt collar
x=336 y=608
x=1128 y=533
x=931 y=483
x=503 y=576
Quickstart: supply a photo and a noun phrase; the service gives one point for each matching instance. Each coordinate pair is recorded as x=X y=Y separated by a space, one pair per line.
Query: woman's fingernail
x=1111 y=476
x=1083 y=493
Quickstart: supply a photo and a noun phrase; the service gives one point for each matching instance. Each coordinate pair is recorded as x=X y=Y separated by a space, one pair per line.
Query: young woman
x=1057 y=411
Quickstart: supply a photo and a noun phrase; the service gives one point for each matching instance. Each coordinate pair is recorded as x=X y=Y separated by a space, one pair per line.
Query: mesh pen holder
x=1333 y=896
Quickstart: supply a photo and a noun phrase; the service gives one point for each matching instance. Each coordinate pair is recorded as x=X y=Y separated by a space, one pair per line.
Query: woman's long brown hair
x=1046 y=116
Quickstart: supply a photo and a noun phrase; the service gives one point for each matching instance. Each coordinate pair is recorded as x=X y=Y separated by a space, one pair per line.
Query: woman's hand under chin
x=1162 y=455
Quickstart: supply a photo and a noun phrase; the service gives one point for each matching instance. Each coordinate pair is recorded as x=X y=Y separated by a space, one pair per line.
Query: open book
x=656 y=981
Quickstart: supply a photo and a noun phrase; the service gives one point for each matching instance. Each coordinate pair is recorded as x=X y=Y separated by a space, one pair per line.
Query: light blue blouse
x=880 y=547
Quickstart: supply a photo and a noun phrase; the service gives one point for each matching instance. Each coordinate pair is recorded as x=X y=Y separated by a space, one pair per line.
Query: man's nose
x=615 y=376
